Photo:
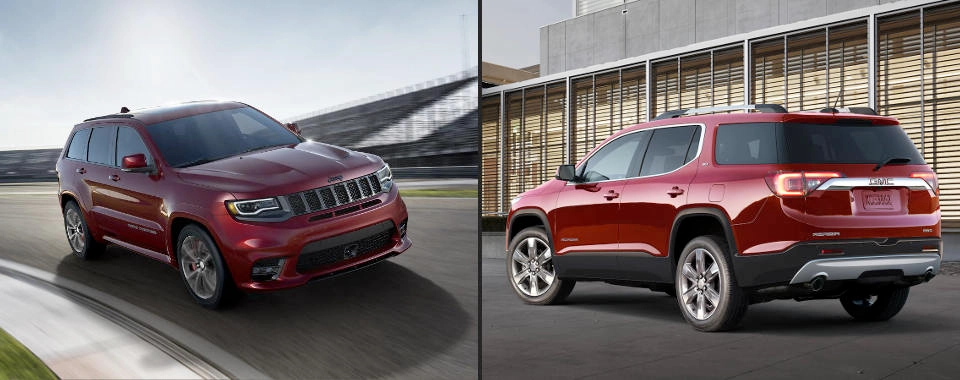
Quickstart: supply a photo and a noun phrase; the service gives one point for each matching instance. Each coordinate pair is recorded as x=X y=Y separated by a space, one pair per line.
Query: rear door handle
x=675 y=191
x=610 y=195
x=114 y=177
x=82 y=171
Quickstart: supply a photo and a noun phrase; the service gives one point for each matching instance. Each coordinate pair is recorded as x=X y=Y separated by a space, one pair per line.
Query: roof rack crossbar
x=766 y=108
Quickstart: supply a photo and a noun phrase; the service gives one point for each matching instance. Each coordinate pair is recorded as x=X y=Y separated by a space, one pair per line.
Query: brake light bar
x=797 y=184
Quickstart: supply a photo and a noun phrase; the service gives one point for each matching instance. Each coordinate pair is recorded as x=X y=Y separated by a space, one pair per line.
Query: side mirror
x=135 y=163
x=566 y=173
x=293 y=127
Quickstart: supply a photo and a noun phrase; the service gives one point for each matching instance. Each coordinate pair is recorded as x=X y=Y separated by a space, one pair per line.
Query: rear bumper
x=851 y=268
x=849 y=260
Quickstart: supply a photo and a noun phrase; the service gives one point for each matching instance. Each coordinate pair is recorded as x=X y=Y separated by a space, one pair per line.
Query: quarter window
x=78 y=145
x=103 y=142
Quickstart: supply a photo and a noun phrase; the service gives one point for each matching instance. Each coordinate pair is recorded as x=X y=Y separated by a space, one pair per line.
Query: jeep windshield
x=796 y=143
x=212 y=136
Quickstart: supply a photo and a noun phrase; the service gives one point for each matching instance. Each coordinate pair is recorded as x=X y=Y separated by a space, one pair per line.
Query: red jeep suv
x=724 y=210
x=230 y=197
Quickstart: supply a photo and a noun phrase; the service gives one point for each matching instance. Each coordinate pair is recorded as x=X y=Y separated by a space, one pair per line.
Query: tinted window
x=212 y=136
x=129 y=142
x=616 y=160
x=102 y=143
x=668 y=150
x=78 y=145
x=751 y=143
x=846 y=144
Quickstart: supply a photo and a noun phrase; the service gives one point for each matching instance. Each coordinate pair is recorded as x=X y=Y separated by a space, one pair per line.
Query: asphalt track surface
x=412 y=316
x=612 y=332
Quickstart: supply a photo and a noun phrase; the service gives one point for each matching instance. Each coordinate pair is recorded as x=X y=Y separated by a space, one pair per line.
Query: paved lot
x=413 y=316
x=607 y=331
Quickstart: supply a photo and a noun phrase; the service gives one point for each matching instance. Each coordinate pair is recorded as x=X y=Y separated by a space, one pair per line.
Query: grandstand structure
x=430 y=124
x=430 y=129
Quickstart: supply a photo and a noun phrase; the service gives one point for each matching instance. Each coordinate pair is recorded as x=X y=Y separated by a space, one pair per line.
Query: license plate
x=885 y=200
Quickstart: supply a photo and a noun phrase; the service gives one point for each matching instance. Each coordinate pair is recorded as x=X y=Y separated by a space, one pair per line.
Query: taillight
x=931 y=179
x=797 y=184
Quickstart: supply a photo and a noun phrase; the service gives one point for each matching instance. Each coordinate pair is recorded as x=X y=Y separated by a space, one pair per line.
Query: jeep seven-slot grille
x=335 y=195
x=347 y=246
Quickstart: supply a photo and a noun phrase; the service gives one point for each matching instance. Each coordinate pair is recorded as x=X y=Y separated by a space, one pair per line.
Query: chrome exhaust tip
x=928 y=275
x=816 y=284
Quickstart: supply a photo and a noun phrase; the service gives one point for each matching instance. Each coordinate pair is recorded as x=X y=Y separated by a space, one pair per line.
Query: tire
x=534 y=279
x=706 y=289
x=81 y=242
x=874 y=306
x=201 y=264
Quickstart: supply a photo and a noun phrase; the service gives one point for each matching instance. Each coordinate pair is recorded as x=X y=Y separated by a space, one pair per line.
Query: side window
x=668 y=150
x=749 y=143
x=129 y=142
x=103 y=142
x=617 y=159
x=78 y=145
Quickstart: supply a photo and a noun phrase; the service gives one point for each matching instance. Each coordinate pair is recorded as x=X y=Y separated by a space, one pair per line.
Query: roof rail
x=766 y=108
x=111 y=116
x=856 y=110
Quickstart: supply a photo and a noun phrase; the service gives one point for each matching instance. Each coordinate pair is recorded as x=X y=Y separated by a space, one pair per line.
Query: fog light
x=267 y=269
x=403 y=228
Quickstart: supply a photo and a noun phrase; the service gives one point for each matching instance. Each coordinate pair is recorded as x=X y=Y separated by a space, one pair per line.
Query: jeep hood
x=281 y=170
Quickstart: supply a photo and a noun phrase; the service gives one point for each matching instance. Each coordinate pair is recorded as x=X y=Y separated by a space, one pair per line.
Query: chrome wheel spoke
x=520 y=276
x=701 y=306
x=712 y=296
x=689 y=295
x=700 y=266
x=519 y=256
x=531 y=248
x=712 y=272
x=534 y=285
x=546 y=277
x=689 y=273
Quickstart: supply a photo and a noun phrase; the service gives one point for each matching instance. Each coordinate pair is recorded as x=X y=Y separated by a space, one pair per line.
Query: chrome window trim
x=703 y=129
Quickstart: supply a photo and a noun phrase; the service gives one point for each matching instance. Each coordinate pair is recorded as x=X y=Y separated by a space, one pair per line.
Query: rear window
x=794 y=143
x=847 y=144
x=78 y=145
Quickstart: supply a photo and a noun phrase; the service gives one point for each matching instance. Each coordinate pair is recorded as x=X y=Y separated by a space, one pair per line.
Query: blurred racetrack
x=413 y=316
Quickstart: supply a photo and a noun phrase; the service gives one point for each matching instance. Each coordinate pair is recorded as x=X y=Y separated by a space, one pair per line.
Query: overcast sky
x=511 y=29
x=64 y=61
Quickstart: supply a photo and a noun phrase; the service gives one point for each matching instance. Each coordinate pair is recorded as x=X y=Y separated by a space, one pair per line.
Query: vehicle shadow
x=370 y=323
x=783 y=317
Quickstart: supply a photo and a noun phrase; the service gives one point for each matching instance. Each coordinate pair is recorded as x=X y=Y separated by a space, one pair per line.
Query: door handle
x=610 y=195
x=114 y=177
x=82 y=171
x=675 y=191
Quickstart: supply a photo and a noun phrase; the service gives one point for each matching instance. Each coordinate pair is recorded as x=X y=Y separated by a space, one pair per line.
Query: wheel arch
x=525 y=218
x=699 y=221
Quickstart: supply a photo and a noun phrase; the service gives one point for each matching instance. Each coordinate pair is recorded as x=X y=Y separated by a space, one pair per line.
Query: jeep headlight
x=254 y=207
x=386 y=178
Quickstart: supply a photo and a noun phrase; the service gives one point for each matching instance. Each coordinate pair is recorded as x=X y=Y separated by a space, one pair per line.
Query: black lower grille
x=338 y=248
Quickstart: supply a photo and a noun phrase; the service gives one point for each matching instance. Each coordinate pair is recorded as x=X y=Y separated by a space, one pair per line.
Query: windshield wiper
x=260 y=148
x=197 y=162
x=892 y=160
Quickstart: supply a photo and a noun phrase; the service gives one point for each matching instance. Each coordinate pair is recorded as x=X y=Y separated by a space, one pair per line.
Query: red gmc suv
x=230 y=197
x=724 y=210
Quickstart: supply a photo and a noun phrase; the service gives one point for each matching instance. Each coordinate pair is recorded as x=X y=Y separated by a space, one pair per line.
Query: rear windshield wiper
x=892 y=160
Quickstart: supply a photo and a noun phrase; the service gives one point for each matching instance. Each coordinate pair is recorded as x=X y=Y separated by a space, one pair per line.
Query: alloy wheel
x=700 y=284
x=532 y=267
x=76 y=234
x=198 y=266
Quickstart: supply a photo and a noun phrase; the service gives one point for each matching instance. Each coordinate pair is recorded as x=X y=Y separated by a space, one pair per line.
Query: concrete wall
x=645 y=26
